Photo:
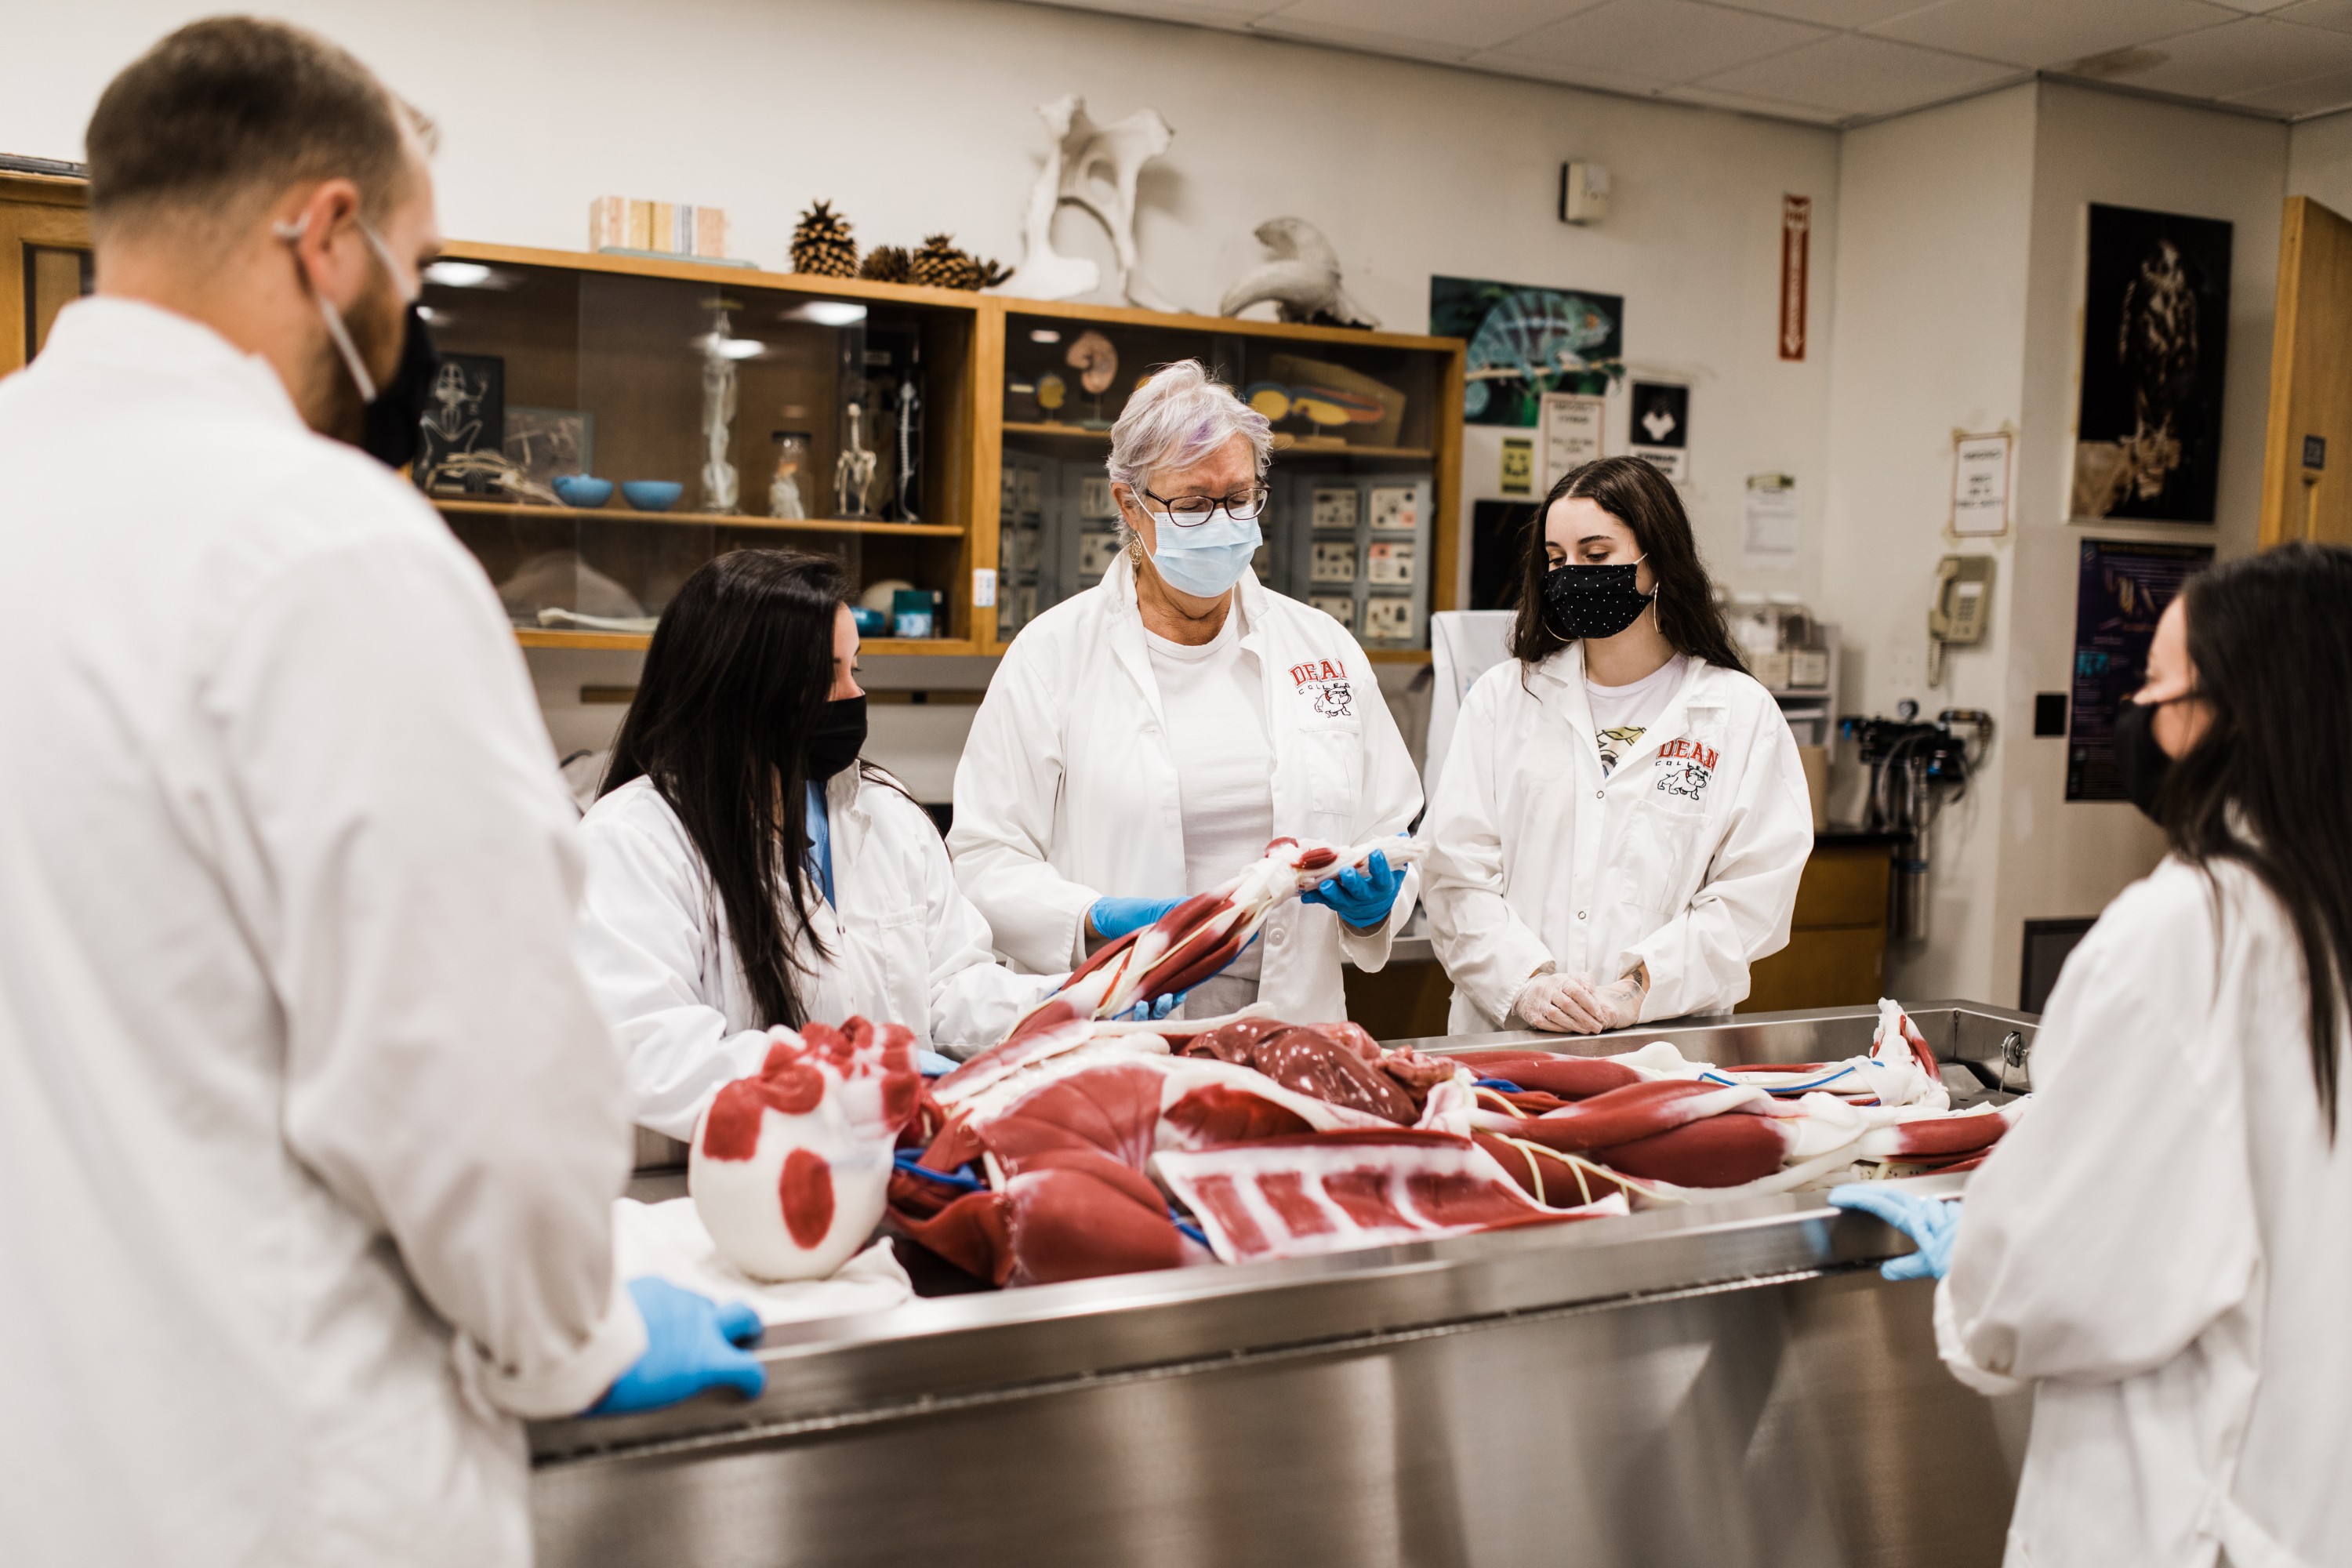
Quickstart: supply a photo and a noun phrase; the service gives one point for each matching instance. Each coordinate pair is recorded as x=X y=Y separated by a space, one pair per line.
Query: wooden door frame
x=35 y=209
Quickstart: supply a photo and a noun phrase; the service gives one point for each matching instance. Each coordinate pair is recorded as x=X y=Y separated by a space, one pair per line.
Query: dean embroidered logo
x=1325 y=685
x=1684 y=769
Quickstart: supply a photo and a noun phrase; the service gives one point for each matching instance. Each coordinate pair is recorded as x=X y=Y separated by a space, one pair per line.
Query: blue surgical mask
x=1207 y=560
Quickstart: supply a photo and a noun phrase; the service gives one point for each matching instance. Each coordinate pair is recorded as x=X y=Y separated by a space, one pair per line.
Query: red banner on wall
x=1796 y=234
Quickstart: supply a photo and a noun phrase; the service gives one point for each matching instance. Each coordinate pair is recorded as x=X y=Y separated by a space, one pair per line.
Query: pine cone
x=884 y=264
x=939 y=265
x=991 y=273
x=821 y=245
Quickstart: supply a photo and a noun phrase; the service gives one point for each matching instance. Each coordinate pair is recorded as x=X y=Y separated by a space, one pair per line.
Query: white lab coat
x=1066 y=791
x=310 y=1129
x=905 y=946
x=1685 y=858
x=2163 y=1247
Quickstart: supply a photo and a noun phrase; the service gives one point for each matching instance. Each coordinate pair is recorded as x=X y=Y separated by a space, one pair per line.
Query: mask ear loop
x=289 y=233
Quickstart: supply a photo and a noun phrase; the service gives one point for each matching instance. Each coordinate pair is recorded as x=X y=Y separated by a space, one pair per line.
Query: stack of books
x=656 y=228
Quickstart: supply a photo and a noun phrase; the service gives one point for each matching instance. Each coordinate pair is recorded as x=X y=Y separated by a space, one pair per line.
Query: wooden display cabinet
x=1053 y=525
x=613 y=347
x=612 y=344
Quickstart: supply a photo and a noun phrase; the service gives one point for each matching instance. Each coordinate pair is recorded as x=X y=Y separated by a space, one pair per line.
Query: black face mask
x=839 y=736
x=1583 y=602
x=2140 y=761
x=394 y=419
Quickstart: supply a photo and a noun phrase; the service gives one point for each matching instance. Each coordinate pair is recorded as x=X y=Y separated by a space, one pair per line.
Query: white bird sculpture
x=1301 y=277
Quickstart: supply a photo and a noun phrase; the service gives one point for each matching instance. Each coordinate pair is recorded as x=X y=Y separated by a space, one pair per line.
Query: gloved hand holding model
x=1567 y=1005
x=1361 y=898
x=1111 y=918
x=691 y=1345
x=1932 y=1224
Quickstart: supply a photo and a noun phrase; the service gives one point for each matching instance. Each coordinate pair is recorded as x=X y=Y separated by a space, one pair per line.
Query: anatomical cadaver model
x=1094 y=168
x=1085 y=1145
x=1300 y=274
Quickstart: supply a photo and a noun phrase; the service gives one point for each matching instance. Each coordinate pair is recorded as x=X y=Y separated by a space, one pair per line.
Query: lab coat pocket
x=1659 y=845
x=900 y=948
x=1331 y=765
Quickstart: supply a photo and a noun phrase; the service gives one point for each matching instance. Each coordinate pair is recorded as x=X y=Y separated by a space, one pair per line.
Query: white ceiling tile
x=1665 y=40
x=1344 y=37
x=2314 y=95
x=1201 y=12
x=2048 y=33
x=1829 y=12
x=2332 y=14
x=1567 y=73
x=1709 y=98
x=2241 y=57
x=2255 y=6
x=1856 y=75
x=1463 y=25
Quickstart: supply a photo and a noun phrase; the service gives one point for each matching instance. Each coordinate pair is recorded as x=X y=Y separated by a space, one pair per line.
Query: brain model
x=791 y=1166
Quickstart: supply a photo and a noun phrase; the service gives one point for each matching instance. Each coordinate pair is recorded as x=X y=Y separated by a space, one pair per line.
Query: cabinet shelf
x=693 y=518
x=1282 y=442
x=625 y=642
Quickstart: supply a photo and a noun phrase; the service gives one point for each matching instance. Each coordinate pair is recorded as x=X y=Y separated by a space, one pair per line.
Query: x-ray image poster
x=2120 y=589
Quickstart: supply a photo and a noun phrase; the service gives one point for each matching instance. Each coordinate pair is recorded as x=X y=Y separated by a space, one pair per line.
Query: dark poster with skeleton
x=2156 y=327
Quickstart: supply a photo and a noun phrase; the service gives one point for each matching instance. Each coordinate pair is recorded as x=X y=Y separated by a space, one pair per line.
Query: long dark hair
x=2269 y=784
x=1637 y=495
x=739 y=673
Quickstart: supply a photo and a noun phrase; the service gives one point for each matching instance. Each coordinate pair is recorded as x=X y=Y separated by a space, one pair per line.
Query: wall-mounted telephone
x=1962 y=610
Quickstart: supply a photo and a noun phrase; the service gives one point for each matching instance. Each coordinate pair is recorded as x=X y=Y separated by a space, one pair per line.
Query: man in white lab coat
x=1143 y=740
x=310 y=1129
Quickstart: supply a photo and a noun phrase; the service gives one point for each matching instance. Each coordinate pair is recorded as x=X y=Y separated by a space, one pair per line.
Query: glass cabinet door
x=594 y=436
x=1349 y=528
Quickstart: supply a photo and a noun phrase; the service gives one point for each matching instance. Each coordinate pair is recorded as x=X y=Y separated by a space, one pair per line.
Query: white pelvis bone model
x=1301 y=277
x=1092 y=167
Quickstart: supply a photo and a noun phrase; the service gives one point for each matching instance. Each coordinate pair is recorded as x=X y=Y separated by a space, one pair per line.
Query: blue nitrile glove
x=1116 y=917
x=1362 y=898
x=1152 y=1011
x=932 y=1064
x=1930 y=1223
x=690 y=1346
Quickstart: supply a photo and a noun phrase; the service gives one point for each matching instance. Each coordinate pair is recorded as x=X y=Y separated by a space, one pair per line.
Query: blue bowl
x=579 y=489
x=652 y=495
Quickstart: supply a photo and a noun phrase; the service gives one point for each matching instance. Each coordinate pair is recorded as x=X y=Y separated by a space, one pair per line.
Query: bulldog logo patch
x=1324 y=684
x=1684 y=769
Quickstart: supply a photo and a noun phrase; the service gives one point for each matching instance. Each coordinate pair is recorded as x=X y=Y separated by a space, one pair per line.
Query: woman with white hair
x=1144 y=740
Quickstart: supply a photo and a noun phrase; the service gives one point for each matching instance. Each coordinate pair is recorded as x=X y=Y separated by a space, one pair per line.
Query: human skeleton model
x=854 y=472
x=1092 y=167
x=719 y=481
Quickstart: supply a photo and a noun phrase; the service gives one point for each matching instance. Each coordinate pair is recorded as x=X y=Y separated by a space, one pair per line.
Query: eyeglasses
x=1192 y=511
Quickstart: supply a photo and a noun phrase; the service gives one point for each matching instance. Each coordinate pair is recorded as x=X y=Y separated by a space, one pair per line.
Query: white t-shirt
x=1215 y=699
x=1621 y=714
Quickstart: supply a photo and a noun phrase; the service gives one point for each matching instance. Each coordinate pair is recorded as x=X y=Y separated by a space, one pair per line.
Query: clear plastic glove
x=1360 y=897
x=691 y=1345
x=1563 y=1004
x=1932 y=1224
x=1112 y=918
x=1152 y=1011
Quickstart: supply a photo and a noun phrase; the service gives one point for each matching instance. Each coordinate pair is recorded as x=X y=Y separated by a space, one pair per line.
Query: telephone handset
x=1962 y=610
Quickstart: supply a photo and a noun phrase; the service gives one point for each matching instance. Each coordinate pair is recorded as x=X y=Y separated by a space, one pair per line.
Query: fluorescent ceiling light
x=457 y=274
x=827 y=314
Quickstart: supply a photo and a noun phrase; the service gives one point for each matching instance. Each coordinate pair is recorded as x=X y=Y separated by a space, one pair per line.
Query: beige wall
x=1959 y=306
x=1932 y=276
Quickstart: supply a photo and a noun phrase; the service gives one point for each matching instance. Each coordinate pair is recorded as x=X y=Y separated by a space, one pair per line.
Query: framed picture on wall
x=1526 y=341
x=2156 y=331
